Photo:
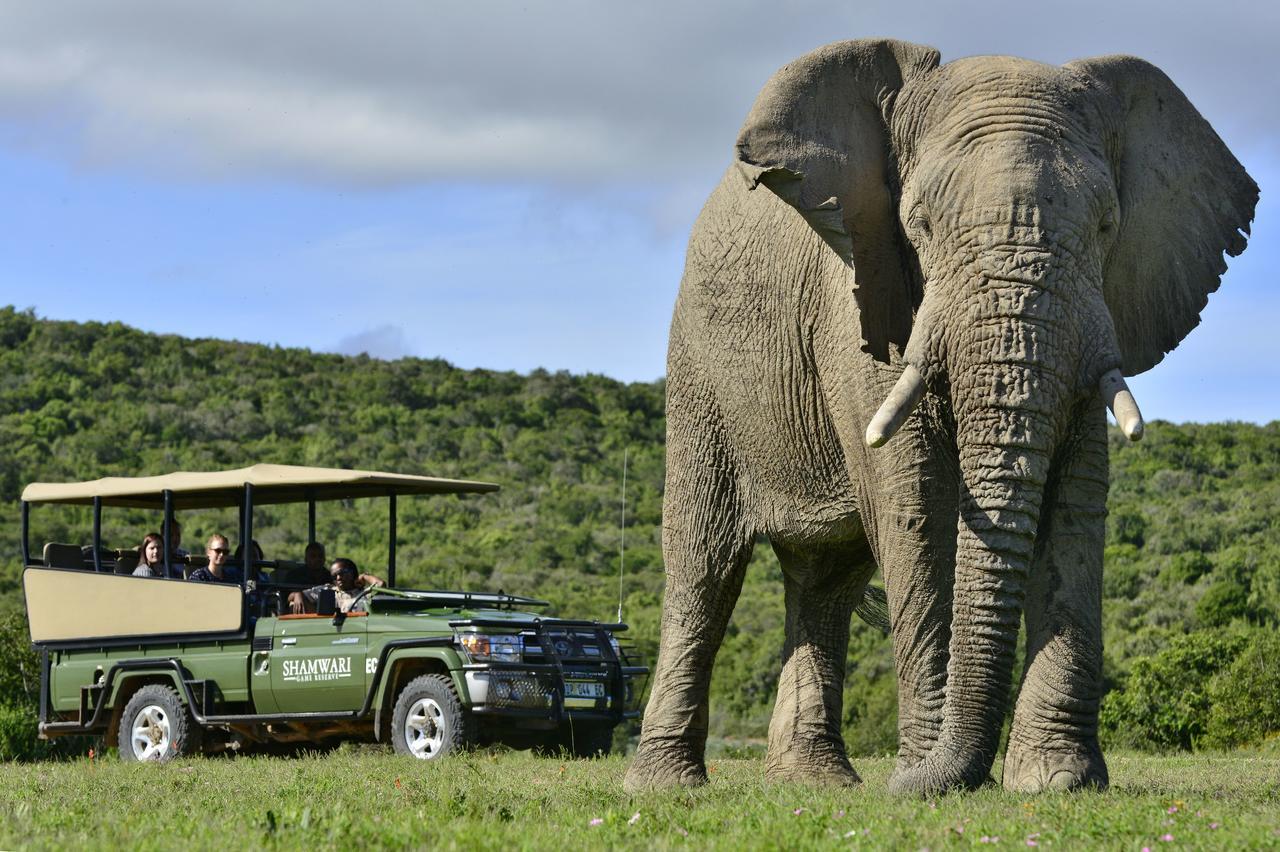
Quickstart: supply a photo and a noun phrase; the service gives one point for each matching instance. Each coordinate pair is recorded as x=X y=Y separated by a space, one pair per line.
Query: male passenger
x=175 y=542
x=347 y=585
x=313 y=570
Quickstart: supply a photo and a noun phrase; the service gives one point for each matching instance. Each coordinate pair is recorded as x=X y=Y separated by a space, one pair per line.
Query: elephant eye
x=1108 y=222
x=918 y=225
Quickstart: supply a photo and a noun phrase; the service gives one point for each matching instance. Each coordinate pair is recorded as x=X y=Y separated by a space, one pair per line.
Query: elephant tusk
x=1122 y=404
x=897 y=407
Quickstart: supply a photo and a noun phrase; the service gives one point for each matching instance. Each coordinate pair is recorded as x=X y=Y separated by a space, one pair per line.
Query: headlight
x=499 y=647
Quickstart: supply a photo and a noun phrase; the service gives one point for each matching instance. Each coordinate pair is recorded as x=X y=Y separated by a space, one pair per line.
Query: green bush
x=1187 y=567
x=1127 y=525
x=20 y=664
x=1224 y=602
x=1166 y=702
x=19 y=739
x=1246 y=697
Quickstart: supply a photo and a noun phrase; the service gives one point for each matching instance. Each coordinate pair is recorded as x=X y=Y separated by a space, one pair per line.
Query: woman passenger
x=151 y=557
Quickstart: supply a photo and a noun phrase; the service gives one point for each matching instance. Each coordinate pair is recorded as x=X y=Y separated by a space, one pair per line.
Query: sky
x=504 y=185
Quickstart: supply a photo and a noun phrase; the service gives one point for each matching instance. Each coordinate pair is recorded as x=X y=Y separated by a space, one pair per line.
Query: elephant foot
x=926 y=779
x=907 y=760
x=665 y=764
x=1027 y=770
x=831 y=770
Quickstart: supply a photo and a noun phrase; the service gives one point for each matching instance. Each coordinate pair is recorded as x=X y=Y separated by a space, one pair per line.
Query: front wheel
x=429 y=721
x=156 y=726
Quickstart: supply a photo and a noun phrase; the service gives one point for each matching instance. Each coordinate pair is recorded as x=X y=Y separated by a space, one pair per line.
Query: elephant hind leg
x=705 y=548
x=823 y=585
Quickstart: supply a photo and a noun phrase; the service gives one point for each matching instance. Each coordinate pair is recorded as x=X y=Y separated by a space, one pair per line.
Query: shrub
x=1165 y=703
x=1246 y=697
x=19 y=665
x=19 y=739
x=1224 y=602
x=1187 y=567
x=1127 y=525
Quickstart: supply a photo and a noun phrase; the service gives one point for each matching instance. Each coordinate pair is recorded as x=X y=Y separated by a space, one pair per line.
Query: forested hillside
x=1193 y=545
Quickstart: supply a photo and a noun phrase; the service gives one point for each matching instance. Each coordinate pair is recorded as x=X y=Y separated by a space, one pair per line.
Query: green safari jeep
x=173 y=667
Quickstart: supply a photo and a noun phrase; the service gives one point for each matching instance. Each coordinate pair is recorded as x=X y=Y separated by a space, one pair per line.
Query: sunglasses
x=221 y=550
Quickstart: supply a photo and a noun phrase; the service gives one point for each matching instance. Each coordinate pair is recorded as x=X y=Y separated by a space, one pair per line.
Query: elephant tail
x=874 y=608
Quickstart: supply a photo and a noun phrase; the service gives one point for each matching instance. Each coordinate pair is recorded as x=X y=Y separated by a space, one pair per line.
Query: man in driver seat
x=347 y=585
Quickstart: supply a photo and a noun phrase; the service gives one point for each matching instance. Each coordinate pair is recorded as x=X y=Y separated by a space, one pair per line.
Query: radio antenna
x=622 y=544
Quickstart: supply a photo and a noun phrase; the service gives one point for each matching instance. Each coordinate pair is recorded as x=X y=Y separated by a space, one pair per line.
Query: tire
x=429 y=722
x=156 y=726
x=587 y=739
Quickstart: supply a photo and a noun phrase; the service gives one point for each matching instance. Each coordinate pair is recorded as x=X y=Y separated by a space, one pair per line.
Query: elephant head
x=1022 y=236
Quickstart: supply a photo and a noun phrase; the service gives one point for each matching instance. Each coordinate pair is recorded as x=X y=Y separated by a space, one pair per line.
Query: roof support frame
x=311 y=515
x=26 y=526
x=246 y=537
x=164 y=535
x=391 y=542
x=97 y=533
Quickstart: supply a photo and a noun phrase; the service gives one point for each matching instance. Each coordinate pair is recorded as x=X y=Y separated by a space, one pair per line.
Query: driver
x=348 y=583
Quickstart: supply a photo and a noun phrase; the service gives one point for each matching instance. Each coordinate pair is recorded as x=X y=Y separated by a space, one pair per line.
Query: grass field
x=355 y=798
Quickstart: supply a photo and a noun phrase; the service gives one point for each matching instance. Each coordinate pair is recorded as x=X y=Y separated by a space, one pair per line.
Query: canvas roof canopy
x=272 y=483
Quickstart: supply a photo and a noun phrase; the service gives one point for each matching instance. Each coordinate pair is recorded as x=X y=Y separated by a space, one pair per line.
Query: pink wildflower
x=1173 y=809
x=798 y=811
x=1167 y=838
x=1215 y=825
x=597 y=821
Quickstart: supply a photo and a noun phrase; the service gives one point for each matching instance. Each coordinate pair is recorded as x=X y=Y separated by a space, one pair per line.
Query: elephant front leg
x=705 y=549
x=823 y=584
x=1053 y=743
x=919 y=569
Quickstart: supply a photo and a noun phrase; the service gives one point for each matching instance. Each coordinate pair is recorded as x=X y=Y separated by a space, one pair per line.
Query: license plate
x=583 y=689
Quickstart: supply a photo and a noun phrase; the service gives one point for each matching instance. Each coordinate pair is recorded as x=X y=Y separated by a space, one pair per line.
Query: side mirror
x=327 y=602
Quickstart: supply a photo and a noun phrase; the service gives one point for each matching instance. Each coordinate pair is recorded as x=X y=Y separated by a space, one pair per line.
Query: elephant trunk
x=999 y=516
x=1010 y=385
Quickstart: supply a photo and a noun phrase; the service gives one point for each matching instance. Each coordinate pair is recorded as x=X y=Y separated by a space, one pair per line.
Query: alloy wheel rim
x=424 y=728
x=152 y=733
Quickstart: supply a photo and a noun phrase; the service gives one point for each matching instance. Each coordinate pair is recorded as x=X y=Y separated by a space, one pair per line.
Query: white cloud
x=582 y=91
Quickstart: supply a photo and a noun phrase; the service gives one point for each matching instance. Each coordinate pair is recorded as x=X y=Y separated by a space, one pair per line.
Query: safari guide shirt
x=342 y=598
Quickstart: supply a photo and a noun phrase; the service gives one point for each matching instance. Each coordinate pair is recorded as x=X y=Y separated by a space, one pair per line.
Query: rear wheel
x=429 y=721
x=156 y=726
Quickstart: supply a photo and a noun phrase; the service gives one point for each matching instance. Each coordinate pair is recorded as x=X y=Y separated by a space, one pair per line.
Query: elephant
x=899 y=354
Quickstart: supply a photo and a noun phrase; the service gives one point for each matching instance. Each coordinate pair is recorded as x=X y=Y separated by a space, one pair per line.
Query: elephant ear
x=817 y=137
x=1184 y=200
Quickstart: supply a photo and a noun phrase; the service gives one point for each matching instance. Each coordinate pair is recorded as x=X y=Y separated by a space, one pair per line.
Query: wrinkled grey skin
x=1012 y=230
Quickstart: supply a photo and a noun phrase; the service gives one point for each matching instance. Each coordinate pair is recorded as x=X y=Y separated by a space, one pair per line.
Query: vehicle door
x=317 y=665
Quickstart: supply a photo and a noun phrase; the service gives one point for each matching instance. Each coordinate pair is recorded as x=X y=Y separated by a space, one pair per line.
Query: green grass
x=504 y=800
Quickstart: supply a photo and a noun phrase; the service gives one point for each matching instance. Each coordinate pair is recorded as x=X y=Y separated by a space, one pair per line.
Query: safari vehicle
x=170 y=667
